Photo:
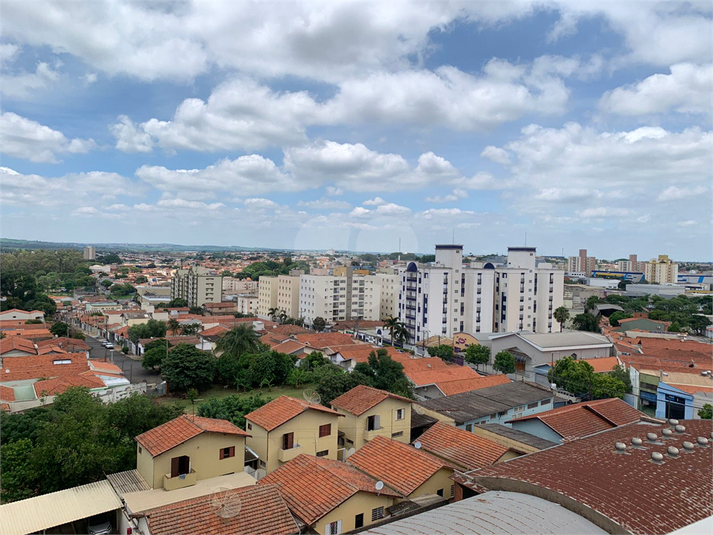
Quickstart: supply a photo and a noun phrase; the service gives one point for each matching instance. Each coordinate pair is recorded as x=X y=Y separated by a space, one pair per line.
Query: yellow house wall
x=257 y=441
x=437 y=415
x=354 y=427
x=305 y=426
x=439 y=480
x=204 y=451
x=507 y=456
x=144 y=464
x=361 y=502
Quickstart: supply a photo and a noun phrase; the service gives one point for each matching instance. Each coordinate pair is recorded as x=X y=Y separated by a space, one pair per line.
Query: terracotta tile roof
x=16 y=343
x=362 y=398
x=214 y=331
x=282 y=409
x=37 y=334
x=461 y=447
x=693 y=389
x=451 y=388
x=639 y=495
x=322 y=340
x=7 y=393
x=586 y=418
x=273 y=340
x=681 y=350
x=285 y=330
x=169 y=435
x=602 y=364
x=20 y=325
x=289 y=346
x=672 y=364
x=262 y=512
x=314 y=486
x=72 y=345
x=100 y=366
x=43 y=366
x=398 y=465
x=451 y=379
x=361 y=352
x=58 y=385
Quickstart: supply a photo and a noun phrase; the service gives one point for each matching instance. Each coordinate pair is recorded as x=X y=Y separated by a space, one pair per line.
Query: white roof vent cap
x=673 y=422
x=702 y=441
x=680 y=428
x=651 y=437
x=667 y=433
x=672 y=451
x=620 y=447
x=636 y=442
x=657 y=457
x=688 y=446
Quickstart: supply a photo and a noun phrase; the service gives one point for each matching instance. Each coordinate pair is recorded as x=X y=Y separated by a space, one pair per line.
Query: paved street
x=132 y=368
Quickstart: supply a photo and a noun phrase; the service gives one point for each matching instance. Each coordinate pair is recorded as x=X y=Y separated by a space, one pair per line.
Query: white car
x=109 y=345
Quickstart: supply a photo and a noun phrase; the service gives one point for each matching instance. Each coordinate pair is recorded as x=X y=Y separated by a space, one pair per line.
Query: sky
x=360 y=125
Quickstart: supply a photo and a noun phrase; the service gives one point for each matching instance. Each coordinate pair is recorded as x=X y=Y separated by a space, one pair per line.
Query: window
x=359 y=521
x=335 y=528
x=325 y=430
x=373 y=423
x=140 y=450
x=453 y=490
x=440 y=492
x=288 y=441
x=469 y=428
x=180 y=465
x=400 y=414
x=262 y=464
x=377 y=513
x=545 y=402
x=322 y=453
x=397 y=434
x=250 y=426
x=227 y=452
x=532 y=405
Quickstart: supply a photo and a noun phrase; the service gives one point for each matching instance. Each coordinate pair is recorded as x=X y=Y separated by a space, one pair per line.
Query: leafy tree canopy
x=232 y=408
x=504 y=362
x=187 y=367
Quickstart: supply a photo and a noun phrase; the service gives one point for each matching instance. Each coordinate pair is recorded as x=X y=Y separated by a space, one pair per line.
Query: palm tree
x=241 y=339
x=173 y=326
x=282 y=317
x=398 y=330
x=273 y=312
x=561 y=314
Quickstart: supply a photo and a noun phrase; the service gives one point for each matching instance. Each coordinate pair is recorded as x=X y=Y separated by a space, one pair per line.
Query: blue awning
x=648 y=396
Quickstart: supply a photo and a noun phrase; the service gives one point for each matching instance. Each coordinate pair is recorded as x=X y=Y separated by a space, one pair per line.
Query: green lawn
x=220 y=392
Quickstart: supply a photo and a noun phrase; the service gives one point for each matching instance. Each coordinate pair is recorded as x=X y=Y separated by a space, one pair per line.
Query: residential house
x=287 y=427
x=221 y=308
x=464 y=450
x=495 y=404
x=682 y=395
x=187 y=449
x=411 y=472
x=330 y=497
x=370 y=412
x=578 y=420
x=16 y=346
x=640 y=478
x=24 y=315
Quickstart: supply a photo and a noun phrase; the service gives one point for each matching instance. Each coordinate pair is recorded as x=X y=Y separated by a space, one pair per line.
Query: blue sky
x=353 y=124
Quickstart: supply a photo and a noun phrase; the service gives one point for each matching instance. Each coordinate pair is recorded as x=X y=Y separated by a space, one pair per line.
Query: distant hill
x=9 y=244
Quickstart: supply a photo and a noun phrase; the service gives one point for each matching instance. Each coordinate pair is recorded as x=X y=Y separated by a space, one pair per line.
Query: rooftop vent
x=688 y=446
x=673 y=422
x=667 y=433
x=657 y=457
x=651 y=437
x=680 y=428
x=702 y=442
x=672 y=451
x=637 y=442
x=620 y=447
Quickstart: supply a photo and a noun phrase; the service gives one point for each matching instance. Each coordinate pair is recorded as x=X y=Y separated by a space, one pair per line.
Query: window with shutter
x=288 y=441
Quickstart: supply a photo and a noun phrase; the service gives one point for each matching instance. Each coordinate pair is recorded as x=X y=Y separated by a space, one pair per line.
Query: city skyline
x=355 y=126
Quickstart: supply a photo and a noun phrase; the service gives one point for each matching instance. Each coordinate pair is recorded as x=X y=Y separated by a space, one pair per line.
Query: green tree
x=477 y=354
x=605 y=385
x=173 y=326
x=178 y=302
x=617 y=316
x=151 y=329
x=139 y=413
x=232 y=408
x=19 y=481
x=561 y=315
x=504 y=362
x=186 y=367
x=153 y=358
x=110 y=258
x=298 y=376
x=385 y=373
x=706 y=412
x=592 y=301
x=188 y=329
x=59 y=328
x=241 y=339
x=699 y=324
x=397 y=329
x=675 y=327
x=333 y=385
x=318 y=324
x=443 y=351
x=575 y=376
x=273 y=313
x=141 y=279
x=587 y=322
x=620 y=373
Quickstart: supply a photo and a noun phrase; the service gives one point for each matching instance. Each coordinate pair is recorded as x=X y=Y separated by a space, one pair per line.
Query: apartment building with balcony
x=288 y=293
x=661 y=270
x=287 y=427
x=266 y=296
x=197 y=285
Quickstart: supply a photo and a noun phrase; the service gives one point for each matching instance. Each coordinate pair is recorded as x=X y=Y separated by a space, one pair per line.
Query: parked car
x=99 y=525
x=109 y=345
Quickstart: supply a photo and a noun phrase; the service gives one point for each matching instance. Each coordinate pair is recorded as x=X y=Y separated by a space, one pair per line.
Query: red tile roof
x=461 y=447
x=7 y=393
x=602 y=364
x=586 y=418
x=71 y=345
x=322 y=340
x=284 y=330
x=262 y=512
x=362 y=398
x=58 y=385
x=283 y=409
x=289 y=346
x=451 y=388
x=43 y=366
x=17 y=343
x=398 y=465
x=169 y=435
x=639 y=495
x=314 y=486
x=361 y=352
x=214 y=331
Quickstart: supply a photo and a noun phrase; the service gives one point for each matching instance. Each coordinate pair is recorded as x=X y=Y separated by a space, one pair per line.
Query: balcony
x=370 y=435
x=180 y=481
x=287 y=455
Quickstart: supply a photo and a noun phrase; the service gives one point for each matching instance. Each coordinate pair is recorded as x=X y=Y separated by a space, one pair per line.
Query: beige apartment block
x=197 y=285
x=233 y=285
x=287 y=427
x=266 y=296
x=661 y=270
x=288 y=293
x=339 y=298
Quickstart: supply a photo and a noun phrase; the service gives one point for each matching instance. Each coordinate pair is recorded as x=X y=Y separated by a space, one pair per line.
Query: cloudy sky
x=353 y=124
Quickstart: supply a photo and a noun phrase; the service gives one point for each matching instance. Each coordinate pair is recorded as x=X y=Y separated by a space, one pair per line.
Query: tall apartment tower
x=89 y=253
x=446 y=298
x=266 y=296
x=661 y=270
x=582 y=263
x=197 y=285
x=631 y=265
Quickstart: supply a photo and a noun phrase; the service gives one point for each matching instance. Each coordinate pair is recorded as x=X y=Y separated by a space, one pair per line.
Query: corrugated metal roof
x=57 y=508
x=501 y=512
x=129 y=481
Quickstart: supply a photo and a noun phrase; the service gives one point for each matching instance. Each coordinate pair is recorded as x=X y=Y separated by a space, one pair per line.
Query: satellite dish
x=379 y=486
x=417 y=445
x=311 y=396
x=417 y=409
x=225 y=502
x=350 y=452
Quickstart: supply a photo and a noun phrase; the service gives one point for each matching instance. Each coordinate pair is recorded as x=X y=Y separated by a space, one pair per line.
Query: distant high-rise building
x=90 y=253
x=582 y=263
x=197 y=285
x=661 y=270
x=632 y=265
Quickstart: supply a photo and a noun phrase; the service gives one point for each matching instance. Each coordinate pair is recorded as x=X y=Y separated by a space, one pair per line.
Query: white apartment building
x=266 y=296
x=197 y=285
x=661 y=270
x=247 y=303
x=389 y=287
x=631 y=265
x=236 y=286
x=339 y=298
x=447 y=297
